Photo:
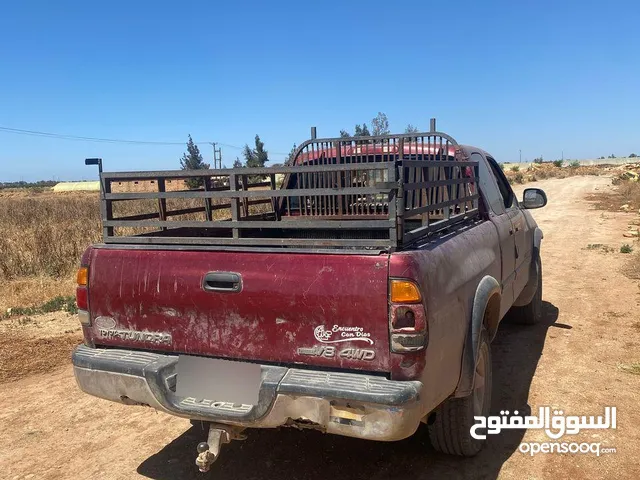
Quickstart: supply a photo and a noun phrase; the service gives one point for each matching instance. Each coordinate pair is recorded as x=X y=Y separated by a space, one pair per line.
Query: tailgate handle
x=222 y=282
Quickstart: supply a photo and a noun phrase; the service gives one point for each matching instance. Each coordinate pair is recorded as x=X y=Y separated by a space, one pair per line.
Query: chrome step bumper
x=356 y=405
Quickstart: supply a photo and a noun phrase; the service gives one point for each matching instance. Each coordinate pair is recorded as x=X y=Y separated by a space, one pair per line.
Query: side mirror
x=534 y=198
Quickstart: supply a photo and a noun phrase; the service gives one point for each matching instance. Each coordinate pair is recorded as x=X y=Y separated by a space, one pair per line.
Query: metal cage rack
x=379 y=192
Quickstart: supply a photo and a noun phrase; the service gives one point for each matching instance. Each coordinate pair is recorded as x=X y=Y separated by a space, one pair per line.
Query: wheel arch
x=485 y=313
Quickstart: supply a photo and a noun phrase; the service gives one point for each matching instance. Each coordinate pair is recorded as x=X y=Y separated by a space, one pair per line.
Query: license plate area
x=218 y=380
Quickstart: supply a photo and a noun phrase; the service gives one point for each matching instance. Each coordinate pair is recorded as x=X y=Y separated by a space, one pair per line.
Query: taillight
x=407 y=317
x=82 y=295
x=404 y=291
x=82 y=276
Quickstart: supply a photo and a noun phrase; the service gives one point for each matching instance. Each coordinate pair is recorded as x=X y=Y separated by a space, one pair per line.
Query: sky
x=546 y=78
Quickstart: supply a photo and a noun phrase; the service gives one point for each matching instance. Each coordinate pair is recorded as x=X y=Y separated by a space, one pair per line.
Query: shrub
x=626 y=248
x=558 y=163
x=574 y=164
x=515 y=168
x=60 y=303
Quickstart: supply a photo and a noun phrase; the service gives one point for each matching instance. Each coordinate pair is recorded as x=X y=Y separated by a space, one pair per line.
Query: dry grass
x=624 y=198
x=34 y=291
x=44 y=235
x=628 y=192
x=549 y=170
x=632 y=268
x=633 y=368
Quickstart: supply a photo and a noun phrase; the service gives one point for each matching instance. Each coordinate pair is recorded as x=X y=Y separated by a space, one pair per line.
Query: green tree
x=237 y=163
x=411 y=129
x=362 y=131
x=380 y=124
x=633 y=155
x=290 y=157
x=192 y=160
x=257 y=156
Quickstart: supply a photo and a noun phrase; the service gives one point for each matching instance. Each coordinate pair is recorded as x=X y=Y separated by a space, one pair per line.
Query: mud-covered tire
x=531 y=313
x=450 y=430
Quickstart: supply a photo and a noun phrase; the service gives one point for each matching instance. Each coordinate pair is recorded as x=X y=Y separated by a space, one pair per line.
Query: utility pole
x=520 y=155
x=217 y=156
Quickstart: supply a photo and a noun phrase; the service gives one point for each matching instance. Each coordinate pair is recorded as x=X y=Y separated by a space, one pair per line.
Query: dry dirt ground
x=572 y=360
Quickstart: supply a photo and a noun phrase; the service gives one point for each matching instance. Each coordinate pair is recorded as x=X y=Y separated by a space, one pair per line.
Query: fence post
x=235 y=204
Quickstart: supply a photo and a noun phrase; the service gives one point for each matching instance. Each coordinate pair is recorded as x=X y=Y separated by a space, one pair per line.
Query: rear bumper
x=349 y=404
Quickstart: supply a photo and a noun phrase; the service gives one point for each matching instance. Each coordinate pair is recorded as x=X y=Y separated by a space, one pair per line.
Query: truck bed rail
x=381 y=192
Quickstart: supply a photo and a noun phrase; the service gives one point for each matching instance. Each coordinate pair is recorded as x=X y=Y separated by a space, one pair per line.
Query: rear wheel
x=450 y=432
x=531 y=313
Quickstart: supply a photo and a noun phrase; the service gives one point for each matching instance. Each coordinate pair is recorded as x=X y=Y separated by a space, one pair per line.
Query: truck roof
x=409 y=148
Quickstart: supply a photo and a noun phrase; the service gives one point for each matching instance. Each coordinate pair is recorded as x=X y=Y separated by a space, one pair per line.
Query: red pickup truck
x=355 y=290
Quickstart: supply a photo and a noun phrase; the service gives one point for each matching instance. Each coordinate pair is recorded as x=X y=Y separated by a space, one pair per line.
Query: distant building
x=76 y=187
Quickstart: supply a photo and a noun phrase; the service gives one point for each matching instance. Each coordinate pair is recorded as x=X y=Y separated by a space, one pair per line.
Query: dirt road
x=570 y=361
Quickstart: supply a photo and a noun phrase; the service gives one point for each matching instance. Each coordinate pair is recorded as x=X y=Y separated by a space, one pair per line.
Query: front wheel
x=451 y=430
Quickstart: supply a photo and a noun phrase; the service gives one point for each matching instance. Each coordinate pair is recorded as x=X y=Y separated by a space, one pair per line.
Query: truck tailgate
x=316 y=309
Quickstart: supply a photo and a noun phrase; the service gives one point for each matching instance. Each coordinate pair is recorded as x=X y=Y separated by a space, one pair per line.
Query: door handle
x=222 y=282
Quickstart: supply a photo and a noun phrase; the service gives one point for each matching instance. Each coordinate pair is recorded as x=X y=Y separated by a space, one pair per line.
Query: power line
x=61 y=136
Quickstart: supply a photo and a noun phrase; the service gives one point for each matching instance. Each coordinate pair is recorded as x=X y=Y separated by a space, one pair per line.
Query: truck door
x=523 y=238
x=500 y=218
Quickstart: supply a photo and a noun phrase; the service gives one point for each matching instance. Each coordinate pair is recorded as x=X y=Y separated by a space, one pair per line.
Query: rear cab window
x=490 y=191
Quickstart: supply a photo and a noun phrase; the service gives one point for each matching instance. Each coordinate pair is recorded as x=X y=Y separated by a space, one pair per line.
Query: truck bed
x=371 y=193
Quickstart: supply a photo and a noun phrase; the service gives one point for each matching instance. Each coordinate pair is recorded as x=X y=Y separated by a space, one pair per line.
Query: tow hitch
x=209 y=451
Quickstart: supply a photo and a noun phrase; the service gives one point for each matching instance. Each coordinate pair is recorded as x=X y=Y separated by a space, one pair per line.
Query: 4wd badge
x=329 y=351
